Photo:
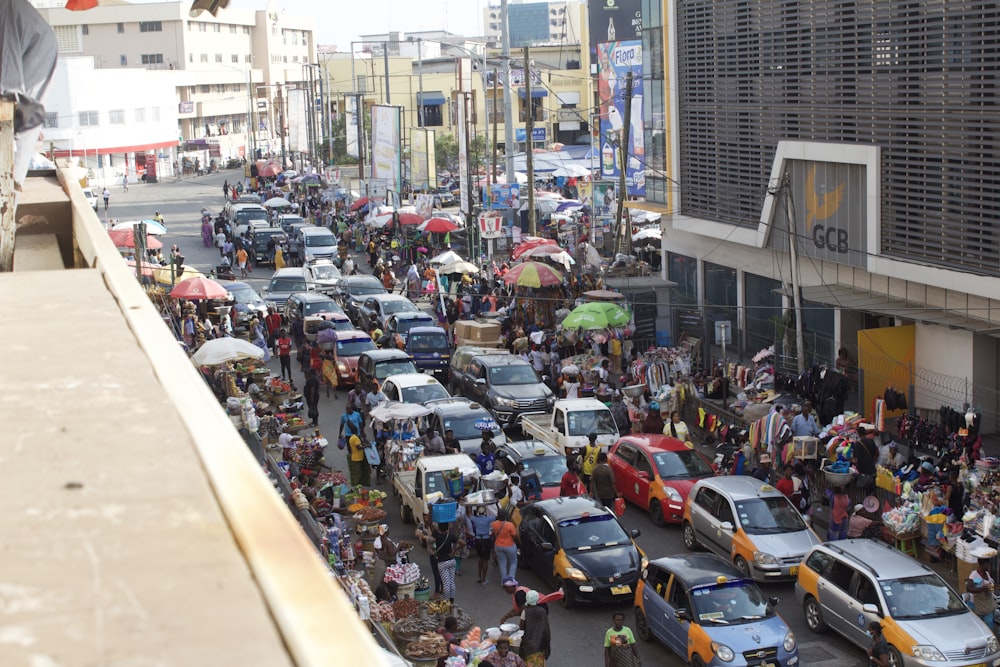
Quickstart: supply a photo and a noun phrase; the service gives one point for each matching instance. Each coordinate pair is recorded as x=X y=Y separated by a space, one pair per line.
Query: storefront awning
x=431 y=98
x=849 y=298
x=535 y=92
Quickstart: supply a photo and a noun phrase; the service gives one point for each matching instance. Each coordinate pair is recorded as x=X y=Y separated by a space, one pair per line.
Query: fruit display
x=383 y=613
x=334 y=478
x=367 y=514
x=441 y=607
x=405 y=607
x=278 y=386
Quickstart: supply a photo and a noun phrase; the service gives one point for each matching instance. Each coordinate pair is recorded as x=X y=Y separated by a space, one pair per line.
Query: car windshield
x=550 y=469
x=287 y=285
x=325 y=272
x=769 y=516
x=465 y=427
x=343 y=325
x=428 y=342
x=397 y=306
x=424 y=392
x=591 y=532
x=404 y=325
x=360 y=287
x=513 y=374
x=244 y=294
x=354 y=347
x=728 y=603
x=264 y=235
x=386 y=368
x=320 y=240
x=246 y=215
x=923 y=596
x=326 y=306
x=681 y=465
x=583 y=422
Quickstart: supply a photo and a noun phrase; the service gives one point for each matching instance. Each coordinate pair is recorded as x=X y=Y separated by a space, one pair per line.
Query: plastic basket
x=444 y=512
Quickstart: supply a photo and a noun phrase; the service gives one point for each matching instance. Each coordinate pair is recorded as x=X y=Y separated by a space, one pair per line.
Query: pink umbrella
x=410 y=219
x=438 y=226
x=529 y=243
x=270 y=170
x=198 y=288
x=125 y=238
x=544 y=250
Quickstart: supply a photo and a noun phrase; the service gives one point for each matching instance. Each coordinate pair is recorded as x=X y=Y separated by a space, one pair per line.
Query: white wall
x=944 y=356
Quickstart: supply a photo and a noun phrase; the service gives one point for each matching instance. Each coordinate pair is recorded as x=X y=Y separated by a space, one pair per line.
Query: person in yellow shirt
x=357 y=466
x=590 y=454
x=615 y=350
x=241 y=261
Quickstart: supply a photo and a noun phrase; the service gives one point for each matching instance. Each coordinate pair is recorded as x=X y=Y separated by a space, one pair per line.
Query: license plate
x=982 y=664
x=768 y=664
x=620 y=590
x=793 y=570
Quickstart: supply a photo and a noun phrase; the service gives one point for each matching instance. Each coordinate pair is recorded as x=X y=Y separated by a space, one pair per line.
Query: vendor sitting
x=860 y=525
x=889 y=456
x=433 y=443
x=926 y=477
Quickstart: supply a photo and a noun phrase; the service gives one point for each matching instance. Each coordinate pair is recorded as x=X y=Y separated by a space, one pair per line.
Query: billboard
x=502 y=196
x=490 y=225
x=614 y=61
x=605 y=200
x=423 y=171
x=463 y=154
x=614 y=20
x=537 y=134
x=516 y=77
x=351 y=125
x=386 y=154
x=298 y=128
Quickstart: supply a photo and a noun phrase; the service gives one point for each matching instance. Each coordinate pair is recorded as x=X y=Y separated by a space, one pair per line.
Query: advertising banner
x=502 y=196
x=463 y=155
x=537 y=134
x=425 y=206
x=614 y=61
x=298 y=129
x=605 y=200
x=490 y=225
x=351 y=125
x=614 y=20
x=386 y=153
x=423 y=174
x=516 y=78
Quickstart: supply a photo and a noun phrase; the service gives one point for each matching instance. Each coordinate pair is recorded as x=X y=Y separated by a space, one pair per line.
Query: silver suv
x=845 y=585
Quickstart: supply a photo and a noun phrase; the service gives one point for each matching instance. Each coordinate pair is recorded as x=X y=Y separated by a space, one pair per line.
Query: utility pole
x=625 y=243
x=359 y=114
x=493 y=148
x=793 y=251
x=385 y=62
x=529 y=130
x=281 y=125
x=420 y=84
x=508 y=103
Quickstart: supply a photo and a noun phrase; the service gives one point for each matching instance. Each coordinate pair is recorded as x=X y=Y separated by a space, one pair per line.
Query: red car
x=657 y=472
x=350 y=345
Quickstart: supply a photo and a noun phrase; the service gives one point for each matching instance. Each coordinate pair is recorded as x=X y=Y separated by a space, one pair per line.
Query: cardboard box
x=480 y=331
x=478 y=343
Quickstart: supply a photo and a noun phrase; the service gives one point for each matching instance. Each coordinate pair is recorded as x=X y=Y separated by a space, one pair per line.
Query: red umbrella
x=359 y=204
x=528 y=243
x=147 y=268
x=410 y=219
x=270 y=170
x=125 y=238
x=438 y=226
x=541 y=251
x=533 y=274
x=198 y=288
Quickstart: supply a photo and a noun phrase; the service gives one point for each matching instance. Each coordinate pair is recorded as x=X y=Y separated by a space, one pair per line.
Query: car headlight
x=789 y=643
x=506 y=402
x=723 y=652
x=645 y=562
x=341 y=366
x=576 y=573
x=672 y=494
x=551 y=400
x=763 y=558
x=992 y=645
x=928 y=652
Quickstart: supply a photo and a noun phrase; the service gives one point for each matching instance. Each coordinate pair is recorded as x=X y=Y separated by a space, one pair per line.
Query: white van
x=318 y=243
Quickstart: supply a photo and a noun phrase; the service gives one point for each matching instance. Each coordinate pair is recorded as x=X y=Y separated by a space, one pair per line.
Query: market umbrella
x=161 y=274
x=528 y=243
x=546 y=205
x=199 y=288
x=596 y=315
x=277 y=202
x=648 y=233
x=447 y=257
x=358 y=204
x=153 y=227
x=410 y=219
x=459 y=267
x=568 y=204
x=438 y=225
x=542 y=251
x=639 y=216
x=220 y=350
x=147 y=267
x=312 y=181
x=125 y=238
x=604 y=295
x=532 y=274
x=269 y=170
x=571 y=171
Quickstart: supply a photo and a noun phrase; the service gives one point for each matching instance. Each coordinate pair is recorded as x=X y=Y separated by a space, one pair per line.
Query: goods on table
x=428 y=646
x=383 y=613
x=408 y=573
x=367 y=514
x=414 y=625
x=404 y=608
x=278 y=386
x=442 y=607
x=902 y=520
x=300 y=500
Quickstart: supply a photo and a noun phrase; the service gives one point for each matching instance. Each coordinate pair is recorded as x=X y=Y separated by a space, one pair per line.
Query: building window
x=116 y=116
x=140 y=115
x=85 y=28
x=192 y=90
x=432 y=115
x=191 y=26
x=123 y=61
x=152 y=59
x=203 y=57
x=205 y=88
x=88 y=118
x=121 y=27
x=232 y=29
x=246 y=30
x=202 y=27
x=246 y=58
x=217 y=27
x=295 y=59
x=218 y=57
x=220 y=88
x=67 y=38
x=190 y=57
x=150 y=26
x=235 y=57
x=156 y=114
x=51 y=119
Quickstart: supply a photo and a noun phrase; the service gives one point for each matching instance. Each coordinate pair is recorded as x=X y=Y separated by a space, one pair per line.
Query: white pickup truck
x=571 y=421
x=411 y=487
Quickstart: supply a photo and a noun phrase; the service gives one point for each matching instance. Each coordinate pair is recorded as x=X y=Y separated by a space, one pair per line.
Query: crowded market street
x=577 y=634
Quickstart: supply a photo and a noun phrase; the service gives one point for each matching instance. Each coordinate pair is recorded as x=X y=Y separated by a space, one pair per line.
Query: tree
x=446 y=152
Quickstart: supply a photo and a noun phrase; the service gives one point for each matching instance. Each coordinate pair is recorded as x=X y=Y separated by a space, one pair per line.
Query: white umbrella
x=391 y=410
x=571 y=171
x=152 y=226
x=640 y=216
x=277 y=202
x=546 y=205
x=378 y=223
x=448 y=257
x=220 y=350
x=458 y=267
x=648 y=233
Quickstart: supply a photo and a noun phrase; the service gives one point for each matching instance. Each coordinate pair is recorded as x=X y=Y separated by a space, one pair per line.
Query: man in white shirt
x=571 y=385
x=514 y=491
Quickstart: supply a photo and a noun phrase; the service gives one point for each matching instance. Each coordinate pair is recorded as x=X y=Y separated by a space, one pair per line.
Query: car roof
x=564 y=508
x=352 y=334
x=699 y=569
x=360 y=279
x=583 y=403
x=234 y=283
x=420 y=330
x=879 y=558
x=311 y=296
x=454 y=405
x=388 y=297
x=312 y=229
x=527 y=449
x=501 y=360
x=650 y=442
x=382 y=355
x=406 y=380
x=740 y=487
x=412 y=315
x=290 y=271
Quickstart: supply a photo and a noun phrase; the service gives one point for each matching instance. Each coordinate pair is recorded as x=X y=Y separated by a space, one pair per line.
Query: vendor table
x=905 y=542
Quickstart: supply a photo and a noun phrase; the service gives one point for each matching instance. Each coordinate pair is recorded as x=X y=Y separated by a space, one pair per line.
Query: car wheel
x=641 y=627
x=696 y=661
x=813 y=614
x=569 y=596
x=742 y=566
x=690 y=541
x=405 y=513
x=895 y=659
x=656 y=513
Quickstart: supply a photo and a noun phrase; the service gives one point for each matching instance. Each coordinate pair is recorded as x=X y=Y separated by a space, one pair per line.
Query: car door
x=531 y=542
x=622 y=462
x=724 y=514
x=391 y=390
x=703 y=520
x=366 y=310
x=834 y=588
x=654 y=591
x=643 y=474
x=477 y=371
x=676 y=631
x=863 y=590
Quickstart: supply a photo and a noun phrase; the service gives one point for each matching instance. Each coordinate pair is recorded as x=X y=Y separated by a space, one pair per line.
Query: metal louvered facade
x=919 y=79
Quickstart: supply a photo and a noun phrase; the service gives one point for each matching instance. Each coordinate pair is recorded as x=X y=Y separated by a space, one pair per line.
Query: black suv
x=505 y=385
x=261 y=237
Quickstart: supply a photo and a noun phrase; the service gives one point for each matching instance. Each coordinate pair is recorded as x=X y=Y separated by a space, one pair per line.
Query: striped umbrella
x=532 y=274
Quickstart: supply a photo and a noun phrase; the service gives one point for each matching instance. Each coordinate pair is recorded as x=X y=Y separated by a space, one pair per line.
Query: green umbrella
x=596 y=315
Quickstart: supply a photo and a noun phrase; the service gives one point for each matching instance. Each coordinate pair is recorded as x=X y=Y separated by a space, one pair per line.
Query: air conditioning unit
x=572 y=64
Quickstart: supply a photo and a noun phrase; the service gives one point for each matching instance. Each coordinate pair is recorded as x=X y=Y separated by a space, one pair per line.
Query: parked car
x=288 y=222
x=538 y=458
x=750 y=522
x=303 y=304
x=375 y=310
x=707 y=612
x=847 y=584
x=247 y=303
x=243 y=216
x=284 y=283
x=443 y=198
x=506 y=386
x=578 y=545
x=397 y=327
x=261 y=237
x=467 y=419
x=353 y=290
x=313 y=324
x=413 y=388
x=656 y=472
x=380 y=364
x=347 y=351
x=324 y=274
x=91 y=197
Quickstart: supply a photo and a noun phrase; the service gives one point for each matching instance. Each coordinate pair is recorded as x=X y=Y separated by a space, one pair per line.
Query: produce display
x=428 y=646
x=442 y=607
x=383 y=613
x=367 y=514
